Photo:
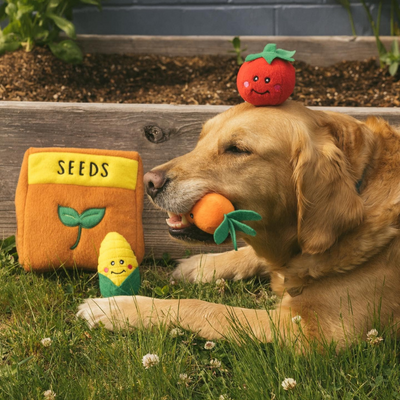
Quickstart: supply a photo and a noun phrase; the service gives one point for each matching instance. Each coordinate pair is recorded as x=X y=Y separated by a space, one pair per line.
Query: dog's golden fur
x=328 y=189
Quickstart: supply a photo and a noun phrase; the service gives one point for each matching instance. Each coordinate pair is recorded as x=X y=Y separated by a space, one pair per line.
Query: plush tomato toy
x=267 y=78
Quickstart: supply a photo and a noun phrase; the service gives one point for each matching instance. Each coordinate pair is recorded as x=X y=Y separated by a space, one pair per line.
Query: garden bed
x=193 y=88
x=204 y=80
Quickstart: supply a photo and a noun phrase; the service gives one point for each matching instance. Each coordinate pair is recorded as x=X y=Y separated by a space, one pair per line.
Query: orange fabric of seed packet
x=67 y=200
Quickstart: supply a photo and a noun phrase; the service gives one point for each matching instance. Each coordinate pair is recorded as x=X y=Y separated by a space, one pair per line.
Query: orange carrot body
x=208 y=213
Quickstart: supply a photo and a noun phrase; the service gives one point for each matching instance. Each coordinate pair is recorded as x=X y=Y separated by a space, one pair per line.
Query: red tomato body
x=263 y=84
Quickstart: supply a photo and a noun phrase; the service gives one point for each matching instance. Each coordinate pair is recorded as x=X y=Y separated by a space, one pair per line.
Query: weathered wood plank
x=113 y=126
x=315 y=50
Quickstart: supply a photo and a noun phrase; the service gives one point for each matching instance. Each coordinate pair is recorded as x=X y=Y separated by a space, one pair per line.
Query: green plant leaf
x=222 y=232
x=53 y=4
x=68 y=216
x=162 y=292
x=11 y=10
x=23 y=9
x=7 y=245
x=393 y=68
x=65 y=25
x=12 y=28
x=91 y=217
x=9 y=46
x=236 y=42
x=40 y=34
x=165 y=290
x=67 y=51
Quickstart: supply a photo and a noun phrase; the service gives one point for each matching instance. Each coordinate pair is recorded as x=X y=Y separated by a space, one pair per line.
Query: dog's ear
x=327 y=200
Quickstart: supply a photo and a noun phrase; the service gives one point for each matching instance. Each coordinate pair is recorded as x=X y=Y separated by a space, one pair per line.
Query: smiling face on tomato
x=263 y=84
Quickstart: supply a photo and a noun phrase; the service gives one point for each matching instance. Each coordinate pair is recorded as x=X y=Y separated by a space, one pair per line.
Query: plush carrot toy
x=118 y=267
x=215 y=214
x=267 y=78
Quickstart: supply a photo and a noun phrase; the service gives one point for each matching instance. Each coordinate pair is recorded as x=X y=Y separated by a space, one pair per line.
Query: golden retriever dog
x=327 y=187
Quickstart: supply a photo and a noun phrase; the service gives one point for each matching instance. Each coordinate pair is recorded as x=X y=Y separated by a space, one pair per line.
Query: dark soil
x=39 y=76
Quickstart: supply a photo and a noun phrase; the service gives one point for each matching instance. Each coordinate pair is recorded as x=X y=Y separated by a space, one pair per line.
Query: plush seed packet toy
x=267 y=78
x=68 y=199
x=118 y=267
x=216 y=215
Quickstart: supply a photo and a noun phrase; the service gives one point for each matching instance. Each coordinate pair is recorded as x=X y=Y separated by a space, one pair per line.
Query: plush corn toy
x=267 y=78
x=118 y=267
x=216 y=215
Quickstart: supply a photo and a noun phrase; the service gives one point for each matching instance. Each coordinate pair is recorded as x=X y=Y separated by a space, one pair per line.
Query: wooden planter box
x=315 y=50
x=158 y=132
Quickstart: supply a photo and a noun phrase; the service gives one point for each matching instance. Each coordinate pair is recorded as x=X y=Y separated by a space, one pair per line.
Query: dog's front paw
x=113 y=312
x=97 y=311
x=199 y=268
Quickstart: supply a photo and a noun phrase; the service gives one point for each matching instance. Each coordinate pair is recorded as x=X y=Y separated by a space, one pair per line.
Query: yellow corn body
x=116 y=258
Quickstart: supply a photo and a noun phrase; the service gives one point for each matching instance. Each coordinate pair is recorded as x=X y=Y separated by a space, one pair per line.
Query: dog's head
x=282 y=162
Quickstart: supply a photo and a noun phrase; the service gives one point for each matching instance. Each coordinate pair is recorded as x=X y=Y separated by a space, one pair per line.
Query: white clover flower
x=373 y=338
x=49 y=395
x=224 y=397
x=184 y=379
x=220 y=283
x=209 y=345
x=264 y=297
x=289 y=384
x=372 y=332
x=176 y=332
x=150 y=360
x=296 y=319
x=215 y=363
x=46 y=342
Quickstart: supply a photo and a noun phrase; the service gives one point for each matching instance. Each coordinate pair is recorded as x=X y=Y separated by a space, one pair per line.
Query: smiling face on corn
x=116 y=258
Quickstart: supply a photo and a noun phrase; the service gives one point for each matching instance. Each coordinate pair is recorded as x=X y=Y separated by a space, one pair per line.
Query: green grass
x=83 y=364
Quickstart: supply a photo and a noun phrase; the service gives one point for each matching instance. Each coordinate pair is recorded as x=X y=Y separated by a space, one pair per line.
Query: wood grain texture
x=119 y=127
x=315 y=50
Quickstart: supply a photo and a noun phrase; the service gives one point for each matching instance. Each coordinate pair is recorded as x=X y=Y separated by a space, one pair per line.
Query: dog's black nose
x=154 y=182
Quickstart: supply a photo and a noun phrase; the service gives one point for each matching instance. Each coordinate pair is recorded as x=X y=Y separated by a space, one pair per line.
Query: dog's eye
x=236 y=150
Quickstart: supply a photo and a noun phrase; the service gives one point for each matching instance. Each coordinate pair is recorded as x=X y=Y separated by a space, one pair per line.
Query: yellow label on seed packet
x=82 y=169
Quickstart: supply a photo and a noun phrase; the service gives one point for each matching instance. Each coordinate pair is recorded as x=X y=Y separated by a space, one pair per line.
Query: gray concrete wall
x=226 y=17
